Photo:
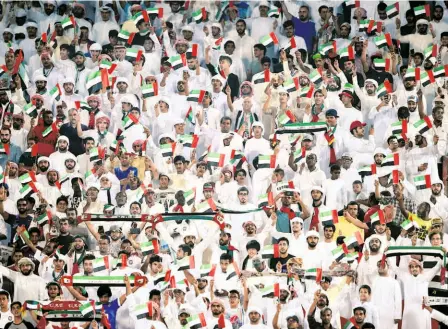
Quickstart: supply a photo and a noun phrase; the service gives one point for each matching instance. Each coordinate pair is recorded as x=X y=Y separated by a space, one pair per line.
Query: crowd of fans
x=223 y=164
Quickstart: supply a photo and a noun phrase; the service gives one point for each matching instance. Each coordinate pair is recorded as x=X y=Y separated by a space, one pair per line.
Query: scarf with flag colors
x=301 y=128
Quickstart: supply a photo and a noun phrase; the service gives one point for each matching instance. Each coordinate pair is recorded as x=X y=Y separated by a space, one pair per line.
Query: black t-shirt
x=379 y=76
x=76 y=143
x=16 y=221
x=283 y=261
x=22 y=325
x=65 y=241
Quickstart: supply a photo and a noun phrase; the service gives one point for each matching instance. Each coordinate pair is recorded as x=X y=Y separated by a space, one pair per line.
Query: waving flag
x=422 y=182
x=423 y=125
x=422 y=11
x=274 y=13
x=196 y=96
x=426 y=78
x=133 y=54
x=129 y=121
x=149 y=90
x=327 y=47
x=383 y=40
x=393 y=10
x=68 y=23
x=269 y=40
x=347 y=52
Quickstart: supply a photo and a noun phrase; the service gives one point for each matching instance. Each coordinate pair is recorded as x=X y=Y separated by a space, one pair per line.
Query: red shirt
x=45 y=144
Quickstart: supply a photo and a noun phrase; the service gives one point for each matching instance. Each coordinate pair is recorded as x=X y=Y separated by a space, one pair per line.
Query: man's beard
x=62 y=149
x=332 y=88
x=312 y=244
x=374 y=248
x=43 y=169
x=370 y=92
x=16 y=126
x=27 y=273
x=408 y=88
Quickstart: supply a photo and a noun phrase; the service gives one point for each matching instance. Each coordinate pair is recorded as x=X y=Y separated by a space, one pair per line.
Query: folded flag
x=197 y=321
x=354 y=240
x=126 y=36
x=262 y=77
x=196 y=96
x=274 y=13
x=383 y=40
x=101 y=264
x=315 y=77
x=189 y=196
x=384 y=89
x=133 y=54
x=301 y=128
x=267 y=161
x=393 y=10
x=367 y=170
x=94 y=155
x=307 y=92
x=426 y=78
x=422 y=182
x=292 y=85
x=207 y=270
x=215 y=159
x=338 y=254
x=314 y=273
x=265 y=200
x=351 y=257
x=55 y=93
x=30 y=176
x=328 y=217
x=149 y=90
x=381 y=64
x=391 y=160
x=94 y=82
x=30 y=109
x=129 y=121
x=270 y=251
x=422 y=11
x=68 y=23
x=291 y=44
x=348 y=52
x=150 y=247
x=374 y=27
x=186 y=263
x=217 y=44
x=440 y=71
x=423 y=125
x=237 y=159
x=52 y=128
x=269 y=40
x=162 y=277
x=327 y=47
x=190 y=116
x=378 y=216
x=167 y=149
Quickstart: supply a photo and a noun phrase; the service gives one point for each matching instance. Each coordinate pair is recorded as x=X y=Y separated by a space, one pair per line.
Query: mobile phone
x=331 y=9
x=101 y=229
x=135 y=230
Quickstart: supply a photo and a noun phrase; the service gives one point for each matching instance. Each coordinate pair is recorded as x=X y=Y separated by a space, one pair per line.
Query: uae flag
x=126 y=36
x=150 y=247
x=378 y=216
x=314 y=273
x=363 y=24
x=327 y=47
x=129 y=121
x=80 y=105
x=285 y=118
x=45 y=218
x=291 y=44
x=412 y=74
x=306 y=92
x=196 y=96
x=354 y=240
x=269 y=40
x=155 y=11
x=410 y=250
x=190 y=116
x=143 y=311
x=367 y=170
x=422 y=182
x=52 y=128
x=149 y=90
x=199 y=15
x=207 y=270
x=399 y=127
x=105 y=64
x=393 y=10
x=215 y=159
x=27 y=190
x=101 y=264
x=274 y=13
x=167 y=149
x=422 y=11
x=301 y=128
x=338 y=254
x=237 y=159
x=30 y=109
x=270 y=291
x=262 y=77
x=383 y=40
x=193 y=50
x=190 y=141
x=270 y=251
x=55 y=94
x=162 y=277
x=299 y=155
x=384 y=89
x=423 y=125
x=266 y=161
x=265 y=200
x=351 y=324
x=140 y=16
x=222 y=11
x=315 y=77
x=90 y=307
x=352 y=3
x=328 y=217
x=291 y=85
x=197 y=321
x=351 y=257
x=430 y=51
x=189 y=196
x=426 y=78
x=133 y=54
x=347 y=52
x=440 y=71
x=407 y=225
x=381 y=64
x=186 y=263
x=30 y=176
x=217 y=44
x=68 y=23
x=391 y=160
x=94 y=82
x=374 y=26
x=206 y=206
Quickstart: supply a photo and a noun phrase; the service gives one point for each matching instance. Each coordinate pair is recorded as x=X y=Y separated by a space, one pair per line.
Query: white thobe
x=386 y=296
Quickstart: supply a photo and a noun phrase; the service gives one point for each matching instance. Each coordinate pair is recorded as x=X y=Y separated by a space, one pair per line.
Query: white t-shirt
x=5 y=317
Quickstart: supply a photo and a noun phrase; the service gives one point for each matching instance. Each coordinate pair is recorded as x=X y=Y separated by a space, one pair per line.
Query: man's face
x=4 y=301
x=328 y=232
x=62 y=145
x=240 y=28
x=52 y=177
x=380 y=228
x=331 y=120
x=31 y=32
x=422 y=28
x=289 y=31
x=48 y=118
x=359 y=316
x=164 y=181
x=18 y=255
x=378 y=158
x=254 y=317
x=105 y=15
x=436 y=241
x=345 y=31
x=382 y=14
x=223 y=239
x=26 y=269
x=348 y=66
x=225 y=126
x=370 y=89
x=183 y=318
x=312 y=241
x=181 y=86
x=5 y=136
x=412 y=106
x=263 y=10
x=436 y=189
x=79 y=244
x=180 y=167
x=243 y=197
x=303 y=13
x=316 y=195
x=43 y=165
x=48 y=8
x=53 y=291
x=374 y=245
x=335 y=173
x=192 y=62
x=216 y=309
x=9 y=58
x=229 y=48
x=64 y=227
x=104 y=246
x=215 y=31
x=438 y=13
x=326 y=317
x=283 y=247
x=353 y=210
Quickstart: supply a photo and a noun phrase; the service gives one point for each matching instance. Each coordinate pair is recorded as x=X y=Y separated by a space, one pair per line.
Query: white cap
x=41 y=78
x=258 y=124
x=297 y=220
x=96 y=46
x=187 y=28
x=20 y=13
x=69 y=79
x=31 y=24
x=312 y=233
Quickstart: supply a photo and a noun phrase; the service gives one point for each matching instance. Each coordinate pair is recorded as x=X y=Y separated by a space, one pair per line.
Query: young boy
x=17 y=321
x=5 y=313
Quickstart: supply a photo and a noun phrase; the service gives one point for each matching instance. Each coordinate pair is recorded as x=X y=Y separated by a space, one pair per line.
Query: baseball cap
x=356 y=124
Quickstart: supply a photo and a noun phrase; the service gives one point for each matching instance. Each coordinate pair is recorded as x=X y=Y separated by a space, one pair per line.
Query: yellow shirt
x=424 y=226
x=345 y=228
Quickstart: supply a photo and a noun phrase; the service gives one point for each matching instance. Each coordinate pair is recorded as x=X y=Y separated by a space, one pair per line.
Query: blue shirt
x=283 y=222
x=306 y=30
x=111 y=311
x=124 y=174
x=14 y=155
